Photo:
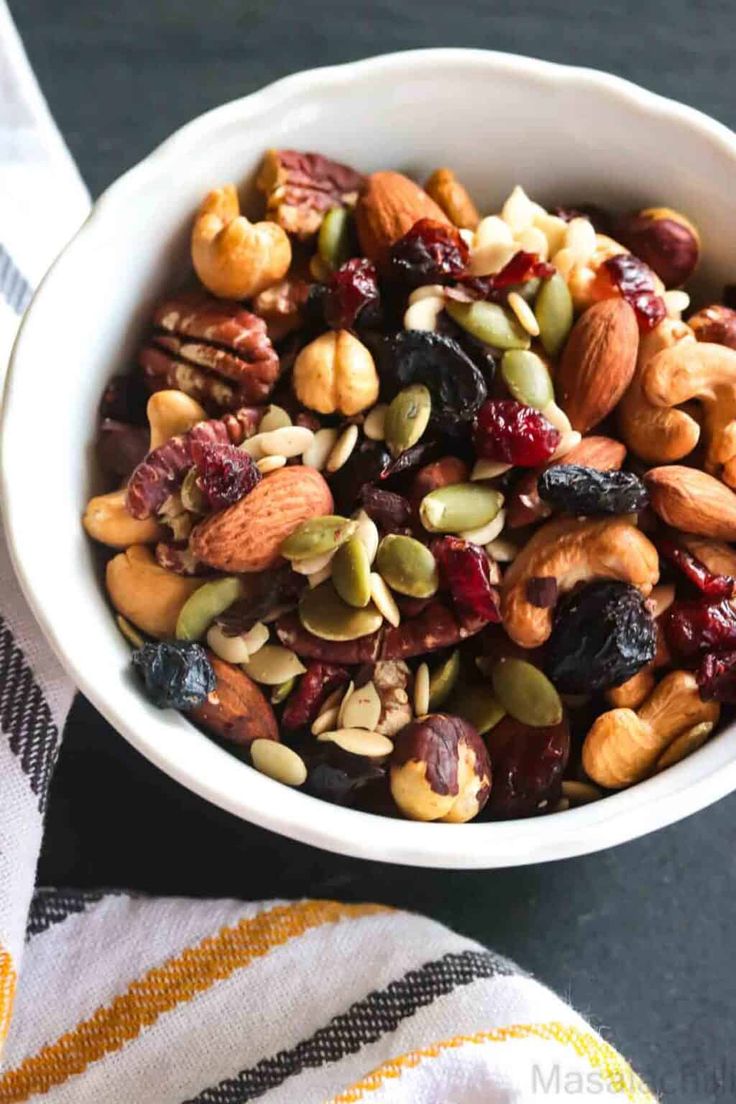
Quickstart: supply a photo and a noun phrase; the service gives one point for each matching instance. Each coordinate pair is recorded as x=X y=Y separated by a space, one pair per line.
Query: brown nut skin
x=235 y=258
x=441 y=473
x=387 y=209
x=573 y=551
x=657 y=434
x=706 y=372
x=716 y=324
x=106 y=519
x=335 y=373
x=440 y=770
x=597 y=363
x=236 y=710
x=692 y=501
x=145 y=593
x=449 y=194
x=665 y=240
x=623 y=747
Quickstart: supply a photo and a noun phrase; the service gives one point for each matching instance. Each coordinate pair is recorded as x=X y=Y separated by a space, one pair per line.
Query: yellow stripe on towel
x=7 y=990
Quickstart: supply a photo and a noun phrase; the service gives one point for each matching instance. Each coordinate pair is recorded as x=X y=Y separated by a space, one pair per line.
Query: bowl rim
x=686 y=787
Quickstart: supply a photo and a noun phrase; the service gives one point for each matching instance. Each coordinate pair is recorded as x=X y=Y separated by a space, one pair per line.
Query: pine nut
x=342 y=449
x=315 y=456
x=384 y=600
x=485 y=534
x=488 y=469
x=524 y=313
x=270 y=463
x=374 y=424
x=421 y=690
x=288 y=441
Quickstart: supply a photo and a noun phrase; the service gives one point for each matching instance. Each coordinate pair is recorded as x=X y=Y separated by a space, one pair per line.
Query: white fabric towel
x=143 y=1001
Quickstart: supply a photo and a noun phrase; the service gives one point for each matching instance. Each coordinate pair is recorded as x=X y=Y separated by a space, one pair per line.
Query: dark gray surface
x=640 y=938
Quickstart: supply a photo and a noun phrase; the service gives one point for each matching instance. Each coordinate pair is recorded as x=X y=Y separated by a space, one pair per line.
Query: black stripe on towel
x=365 y=1022
x=51 y=906
x=25 y=717
x=14 y=288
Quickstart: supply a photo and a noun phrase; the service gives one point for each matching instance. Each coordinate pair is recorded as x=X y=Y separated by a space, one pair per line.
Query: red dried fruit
x=430 y=253
x=161 y=472
x=528 y=764
x=522 y=267
x=713 y=586
x=700 y=626
x=466 y=570
x=510 y=432
x=318 y=681
x=225 y=474
x=716 y=677
x=634 y=282
x=301 y=187
x=351 y=289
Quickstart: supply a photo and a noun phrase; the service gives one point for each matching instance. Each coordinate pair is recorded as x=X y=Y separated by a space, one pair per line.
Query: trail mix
x=425 y=512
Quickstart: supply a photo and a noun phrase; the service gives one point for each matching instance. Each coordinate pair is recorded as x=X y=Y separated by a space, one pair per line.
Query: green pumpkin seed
x=192 y=498
x=351 y=573
x=323 y=613
x=526 y=693
x=554 y=313
x=281 y=692
x=477 y=704
x=490 y=323
x=317 y=536
x=458 y=507
x=527 y=378
x=334 y=238
x=407 y=418
x=443 y=680
x=407 y=566
x=207 y=603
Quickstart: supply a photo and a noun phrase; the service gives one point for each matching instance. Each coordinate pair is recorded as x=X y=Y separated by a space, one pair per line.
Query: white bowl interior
x=567 y=135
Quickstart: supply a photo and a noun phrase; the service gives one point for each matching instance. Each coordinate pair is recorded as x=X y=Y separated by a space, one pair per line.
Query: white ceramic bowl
x=565 y=134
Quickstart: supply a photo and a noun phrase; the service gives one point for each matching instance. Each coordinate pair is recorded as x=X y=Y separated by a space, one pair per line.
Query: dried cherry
x=177 y=674
x=466 y=571
x=602 y=634
x=589 y=491
x=225 y=473
x=351 y=290
x=634 y=281
x=510 y=432
x=430 y=253
x=318 y=681
x=700 y=626
x=713 y=586
x=527 y=764
x=522 y=267
x=716 y=677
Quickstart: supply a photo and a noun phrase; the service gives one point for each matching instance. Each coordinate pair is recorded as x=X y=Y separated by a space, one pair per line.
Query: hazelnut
x=336 y=374
x=665 y=240
x=716 y=324
x=440 y=770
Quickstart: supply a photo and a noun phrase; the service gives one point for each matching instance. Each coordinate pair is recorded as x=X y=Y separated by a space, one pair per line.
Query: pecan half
x=301 y=187
x=212 y=349
x=281 y=306
x=161 y=472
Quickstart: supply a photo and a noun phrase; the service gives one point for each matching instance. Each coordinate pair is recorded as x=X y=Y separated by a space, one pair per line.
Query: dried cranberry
x=510 y=432
x=588 y=491
x=466 y=571
x=635 y=283
x=318 y=681
x=177 y=674
x=274 y=592
x=522 y=267
x=225 y=474
x=351 y=289
x=430 y=253
x=528 y=764
x=713 y=586
x=700 y=626
x=716 y=677
x=391 y=512
x=162 y=471
x=455 y=382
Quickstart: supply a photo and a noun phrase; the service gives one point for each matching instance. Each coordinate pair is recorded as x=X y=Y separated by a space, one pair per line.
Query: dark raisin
x=351 y=290
x=527 y=765
x=713 y=586
x=635 y=283
x=125 y=399
x=277 y=591
x=466 y=571
x=390 y=511
x=429 y=448
x=338 y=777
x=700 y=626
x=225 y=473
x=602 y=635
x=455 y=382
x=367 y=464
x=121 y=446
x=510 y=432
x=716 y=677
x=430 y=253
x=588 y=491
x=177 y=674
x=318 y=681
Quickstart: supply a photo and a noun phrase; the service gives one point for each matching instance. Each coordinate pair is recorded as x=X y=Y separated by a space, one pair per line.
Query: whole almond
x=693 y=501
x=247 y=536
x=236 y=710
x=597 y=362
x=388 y=207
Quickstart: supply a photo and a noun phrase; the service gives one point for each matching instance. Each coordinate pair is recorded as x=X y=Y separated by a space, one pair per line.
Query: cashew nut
x=657 y=434
x=169 y=414
x=146 y=593
x=623 y=747
x=106 y=519
x=573 y=551
x=235 y=258
x=706 y=372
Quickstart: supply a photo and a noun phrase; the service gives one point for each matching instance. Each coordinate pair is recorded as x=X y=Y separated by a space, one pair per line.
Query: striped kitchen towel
x=132 y=1000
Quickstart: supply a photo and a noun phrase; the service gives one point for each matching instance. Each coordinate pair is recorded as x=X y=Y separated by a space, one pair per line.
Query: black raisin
x=367 y=464
x=177 y=674
x=588 y=491
x=337 y=776
x=602 y=635
x=456 y=384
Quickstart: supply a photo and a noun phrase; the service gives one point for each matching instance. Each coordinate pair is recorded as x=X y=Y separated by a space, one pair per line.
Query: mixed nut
x=425 y=512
